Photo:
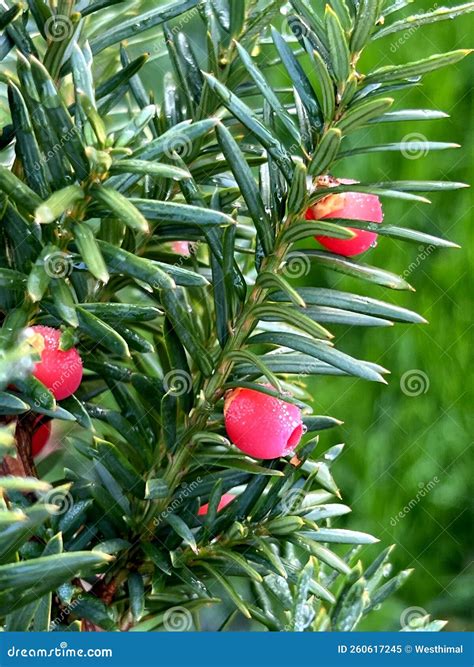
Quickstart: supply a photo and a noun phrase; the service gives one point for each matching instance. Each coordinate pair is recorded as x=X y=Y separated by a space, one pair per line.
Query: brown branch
x=22 y=465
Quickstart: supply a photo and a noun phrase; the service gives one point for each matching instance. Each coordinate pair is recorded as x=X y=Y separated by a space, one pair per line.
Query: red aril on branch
x=223 y=502
x=348 y=206
x=184 y=248
x=59 y=370
x=260 y=425
x=41 y=435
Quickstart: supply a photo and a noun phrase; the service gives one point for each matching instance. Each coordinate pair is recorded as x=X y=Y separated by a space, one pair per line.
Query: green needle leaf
x=396 y=72
x=121 y=207
x=338 y=47
x=413 y=22
x=248 y=187
x=58 y=203
x=138 y=24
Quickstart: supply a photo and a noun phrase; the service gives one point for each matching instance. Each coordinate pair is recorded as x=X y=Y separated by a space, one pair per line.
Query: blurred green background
x=412 y=451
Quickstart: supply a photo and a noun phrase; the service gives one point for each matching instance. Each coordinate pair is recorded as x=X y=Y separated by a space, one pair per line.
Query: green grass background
x=397 y=444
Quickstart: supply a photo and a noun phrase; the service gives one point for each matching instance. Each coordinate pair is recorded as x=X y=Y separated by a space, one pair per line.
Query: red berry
x=59 y=370
x=349 y=206
x=261 y=425
x=224 y=501
x=184 y=248
x=40 y=436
